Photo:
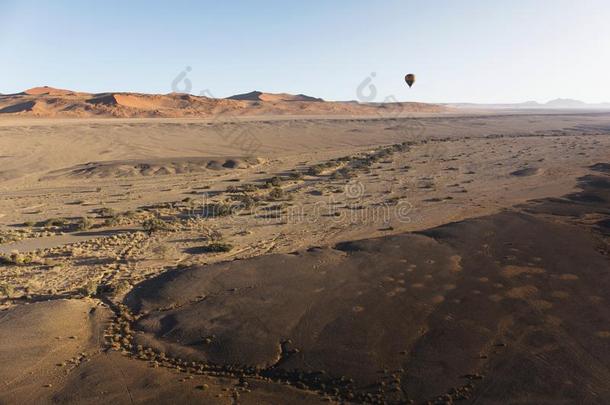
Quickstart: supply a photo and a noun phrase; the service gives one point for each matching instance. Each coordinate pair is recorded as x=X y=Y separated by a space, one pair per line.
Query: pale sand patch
x=495 y=297
x=456 y=263
x=560 y=294
x=541 y=304
x=553 y=320
x=437 y=299
x=513 y=271
x=526 y=291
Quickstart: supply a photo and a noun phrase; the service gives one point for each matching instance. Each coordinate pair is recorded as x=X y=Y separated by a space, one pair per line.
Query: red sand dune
x=48 y=102
x=37 y=91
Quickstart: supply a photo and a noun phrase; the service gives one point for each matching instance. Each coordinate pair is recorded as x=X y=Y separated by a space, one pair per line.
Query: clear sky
x=466 y=50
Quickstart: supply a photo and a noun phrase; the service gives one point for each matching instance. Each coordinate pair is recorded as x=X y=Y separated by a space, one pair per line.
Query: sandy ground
x=92 y=210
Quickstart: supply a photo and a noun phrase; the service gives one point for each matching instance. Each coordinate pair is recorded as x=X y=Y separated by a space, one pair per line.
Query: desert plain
x=276 y=249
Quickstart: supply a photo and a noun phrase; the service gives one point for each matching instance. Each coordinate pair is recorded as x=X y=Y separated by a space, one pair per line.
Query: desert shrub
x=54 y=223
x=32 y=286
x=16 y=259
x=215 y=235
x=401 y=147
x=84 y=223
x=20 y=259
x=296 y=175
x=246 y=201
x=7 y=290
x=232 y=189
x=90 y=288
x=217 y=247
x=106 y=212
x=336 y=176
x=220 y=209
x=249 y=188
x=346 y=173
x=121 y=287
x=276 y=194
x=153 y=225
x=315 y=170
x=275 y=181
x=164 y=251
x=111 y=221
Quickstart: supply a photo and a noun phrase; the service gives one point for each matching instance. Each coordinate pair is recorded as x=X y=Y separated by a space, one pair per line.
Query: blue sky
x=469 y=50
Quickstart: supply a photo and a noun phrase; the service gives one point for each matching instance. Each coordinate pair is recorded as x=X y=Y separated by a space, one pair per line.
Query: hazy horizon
x=471 y=52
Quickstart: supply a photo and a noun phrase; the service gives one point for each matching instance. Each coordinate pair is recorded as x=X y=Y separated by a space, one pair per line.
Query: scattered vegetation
x=296 y=175
x=246 y=201
x=7 y=290
x=84 y=223
x=111 y=221
x=18 y=259
x=249 y=188
x=357 y=162
x=153 y=225
x=90 y=288
x=164 y=251
x=276 y=194
x=121 y=287
x=220 y=209
x=55 y=223
x=217 y=247
x=275 y=181
x=106 y=212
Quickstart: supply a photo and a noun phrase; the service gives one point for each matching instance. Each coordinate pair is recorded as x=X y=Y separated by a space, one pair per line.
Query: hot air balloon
x=410 y=79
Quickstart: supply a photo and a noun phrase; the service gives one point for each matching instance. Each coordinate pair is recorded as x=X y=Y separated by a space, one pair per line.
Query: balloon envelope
x=410 y=79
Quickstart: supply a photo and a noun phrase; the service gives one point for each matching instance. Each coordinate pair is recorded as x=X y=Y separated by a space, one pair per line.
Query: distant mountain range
x=558 y=103
x=51 y=102
x=260 y=96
